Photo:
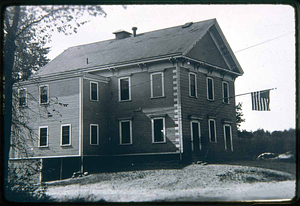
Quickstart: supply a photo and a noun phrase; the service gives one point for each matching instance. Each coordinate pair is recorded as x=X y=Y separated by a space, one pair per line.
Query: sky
x=261 y=36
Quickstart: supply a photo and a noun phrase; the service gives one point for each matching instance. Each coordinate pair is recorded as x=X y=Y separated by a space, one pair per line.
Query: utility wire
x=263 y=42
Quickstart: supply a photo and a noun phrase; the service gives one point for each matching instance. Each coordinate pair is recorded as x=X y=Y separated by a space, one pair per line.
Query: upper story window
x=124 y=89
x=43 y=136
x=22 y=97
x=225 y=92
x=66 y=135
x=94 y=91
x=210 y=88
x=212 y=130
x=193 y=84
x=157 y=84
x=94 y=134
x=125 y=127
x=44 y=94
x=158 y=130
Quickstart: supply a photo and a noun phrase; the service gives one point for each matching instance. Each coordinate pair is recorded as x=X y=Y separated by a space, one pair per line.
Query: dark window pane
x=124 y=84
x=227 y=137
x=44 y=94
x=125 y=128
x=157 y=85
x=158 y=130
x=43 y=136
x=212 y=131
x=94 y=91
x=94 y=135
x=225 y=92
x=192 y=85
x=22 y=97
x=210 y=89
x=65 y=135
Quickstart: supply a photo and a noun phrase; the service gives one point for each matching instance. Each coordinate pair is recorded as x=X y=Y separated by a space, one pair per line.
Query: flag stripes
x=261 y=100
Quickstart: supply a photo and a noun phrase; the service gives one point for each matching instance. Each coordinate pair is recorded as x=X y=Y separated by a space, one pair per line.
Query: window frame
x=195 y=76
x=212 y=87
x=164 y=130
x=97 y=125
x=192 y=136
x=228 y=99
x=162 y=84
x=129 y=90
x=47 y=136
x=215 y=131
x=40 y=96
x=61 y=135
x=120 y=132
x=231 y=143
x=92 y=82
x=24 y=97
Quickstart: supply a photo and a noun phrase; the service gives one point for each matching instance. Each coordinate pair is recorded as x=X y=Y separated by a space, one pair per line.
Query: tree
x=26 y=31
x=239 y=115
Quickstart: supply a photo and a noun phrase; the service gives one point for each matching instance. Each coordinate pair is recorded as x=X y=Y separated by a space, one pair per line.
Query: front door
x=228 y=138
x=195 y=136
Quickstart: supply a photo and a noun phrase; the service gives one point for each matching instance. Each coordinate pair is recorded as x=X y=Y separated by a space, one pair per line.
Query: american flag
x=261 y=100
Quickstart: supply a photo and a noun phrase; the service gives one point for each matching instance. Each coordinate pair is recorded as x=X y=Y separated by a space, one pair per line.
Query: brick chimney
x=134 y=31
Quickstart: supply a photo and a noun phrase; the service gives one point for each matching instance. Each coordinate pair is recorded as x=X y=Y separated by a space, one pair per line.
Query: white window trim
x=40 y=136
x=162 y=82
x=213 y=89
x=119 y=88
x=227 y=92
x=48 y=97
x=228 y=125
x=61 y=135
x=120 y=130
x=210 y=130
x=25 y=97
x=192 y=136
x=192 y=73
x=164 y=129
x=97 y=125
x=92 y=82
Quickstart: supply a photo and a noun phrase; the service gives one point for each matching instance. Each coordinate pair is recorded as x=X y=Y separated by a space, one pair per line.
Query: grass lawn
x=231 y=181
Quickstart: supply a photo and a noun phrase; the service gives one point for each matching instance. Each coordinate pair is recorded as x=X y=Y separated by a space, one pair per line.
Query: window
x=43 y=136
x=94 y=134
x=158 y=130
x=157 y=84
x=210 y=88
x=225 y=93
x=22 y=97
x=44 y=94
x=94 y=91
x=228 y=137
x=124 y=89
x=125 y=132
x=193 y=84
x=66 y=135
x=212 y=130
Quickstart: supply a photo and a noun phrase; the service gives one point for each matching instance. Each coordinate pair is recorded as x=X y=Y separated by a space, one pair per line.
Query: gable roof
x=160 y=43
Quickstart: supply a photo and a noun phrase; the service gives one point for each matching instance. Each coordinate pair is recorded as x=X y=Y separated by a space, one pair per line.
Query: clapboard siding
x=203 y=108
x=63 y=108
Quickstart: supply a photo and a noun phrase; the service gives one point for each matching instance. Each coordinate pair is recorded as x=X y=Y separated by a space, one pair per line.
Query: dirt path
x=192 y=183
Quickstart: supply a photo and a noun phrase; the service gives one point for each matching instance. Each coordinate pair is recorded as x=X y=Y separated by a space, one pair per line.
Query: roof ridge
x=213 y=19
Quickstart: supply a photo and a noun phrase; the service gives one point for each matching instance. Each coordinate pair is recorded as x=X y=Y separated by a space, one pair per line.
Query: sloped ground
x=192 y=183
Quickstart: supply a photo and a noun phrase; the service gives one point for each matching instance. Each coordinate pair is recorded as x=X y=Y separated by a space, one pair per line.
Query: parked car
x=285 y=156
x=266 y=155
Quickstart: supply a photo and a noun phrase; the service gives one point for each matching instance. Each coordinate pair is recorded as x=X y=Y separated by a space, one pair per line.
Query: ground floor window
x=43 y=136
x=125 y=127
x=228 y=137
x=158 y=130
x=94 y=134
x=212 y=130
x=66 y=135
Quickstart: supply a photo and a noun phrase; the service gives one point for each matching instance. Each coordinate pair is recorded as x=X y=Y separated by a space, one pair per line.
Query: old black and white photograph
x=149 y=103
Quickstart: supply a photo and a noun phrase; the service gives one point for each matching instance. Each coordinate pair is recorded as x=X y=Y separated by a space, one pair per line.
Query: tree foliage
x=239 y=115
x=27 y=29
